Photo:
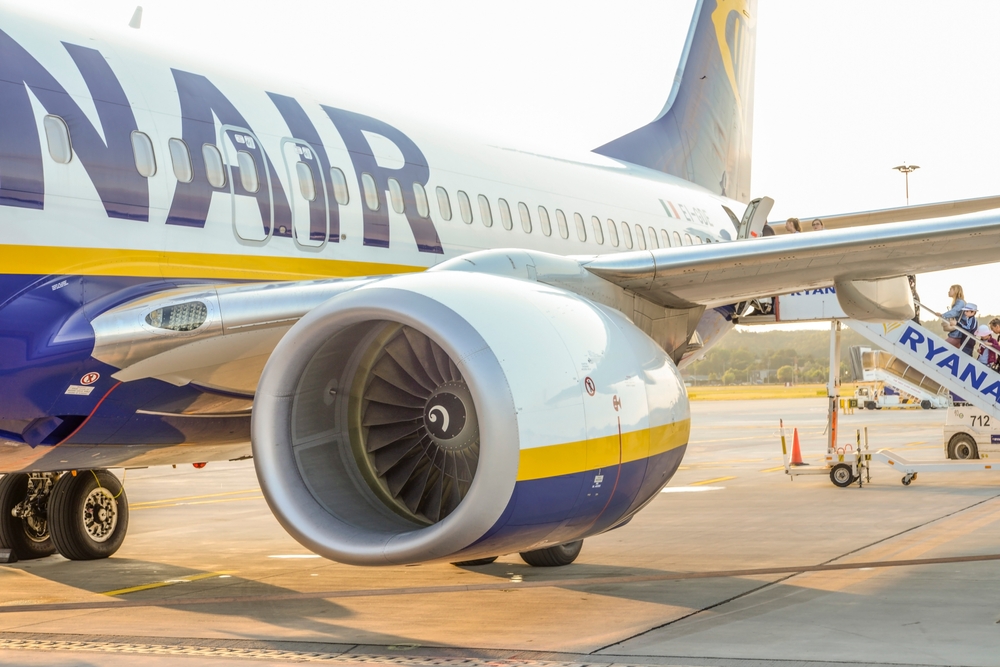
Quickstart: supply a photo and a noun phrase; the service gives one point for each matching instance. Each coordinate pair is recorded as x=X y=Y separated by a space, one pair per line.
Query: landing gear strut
x=24 y=500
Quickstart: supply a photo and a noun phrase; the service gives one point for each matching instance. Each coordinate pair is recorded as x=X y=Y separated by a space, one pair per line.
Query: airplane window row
x=630 y=236
x=61 y=151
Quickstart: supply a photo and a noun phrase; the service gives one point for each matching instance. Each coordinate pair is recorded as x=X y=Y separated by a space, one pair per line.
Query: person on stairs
x=950 y=317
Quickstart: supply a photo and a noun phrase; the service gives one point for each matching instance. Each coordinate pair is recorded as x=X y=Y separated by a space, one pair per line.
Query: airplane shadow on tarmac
x=212 y=593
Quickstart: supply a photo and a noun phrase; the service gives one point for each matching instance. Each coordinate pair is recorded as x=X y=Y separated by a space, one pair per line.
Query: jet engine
x=452 y=415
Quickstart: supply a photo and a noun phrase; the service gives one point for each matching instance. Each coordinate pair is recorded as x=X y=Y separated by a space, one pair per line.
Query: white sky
x=844 y=91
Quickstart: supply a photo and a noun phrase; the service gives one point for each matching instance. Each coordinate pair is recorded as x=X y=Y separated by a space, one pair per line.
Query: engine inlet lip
x=286 y=493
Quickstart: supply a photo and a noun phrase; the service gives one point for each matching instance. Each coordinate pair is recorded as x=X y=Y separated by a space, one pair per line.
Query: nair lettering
x=960 y=365
x=109 y=162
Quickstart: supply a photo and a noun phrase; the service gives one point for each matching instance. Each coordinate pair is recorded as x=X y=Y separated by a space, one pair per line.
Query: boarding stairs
x=879 y=366
x=922 y=350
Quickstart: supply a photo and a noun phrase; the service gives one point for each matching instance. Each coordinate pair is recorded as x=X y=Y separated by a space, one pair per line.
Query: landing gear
x=88 y=514
x=564 y=554
x=24 y=503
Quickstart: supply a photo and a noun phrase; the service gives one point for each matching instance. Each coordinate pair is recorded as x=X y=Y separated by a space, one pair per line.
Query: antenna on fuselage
x=136 y=21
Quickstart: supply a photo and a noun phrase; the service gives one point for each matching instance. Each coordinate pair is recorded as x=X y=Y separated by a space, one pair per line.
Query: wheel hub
x=100 y=514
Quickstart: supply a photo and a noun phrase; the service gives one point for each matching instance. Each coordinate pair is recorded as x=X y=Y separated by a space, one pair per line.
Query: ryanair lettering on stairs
x=967 y=370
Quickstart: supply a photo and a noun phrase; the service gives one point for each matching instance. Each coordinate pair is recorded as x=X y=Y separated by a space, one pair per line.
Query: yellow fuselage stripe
x=49 y=260
x=603 y=452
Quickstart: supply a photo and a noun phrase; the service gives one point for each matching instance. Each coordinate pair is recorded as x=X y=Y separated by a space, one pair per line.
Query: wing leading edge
x=724 y=273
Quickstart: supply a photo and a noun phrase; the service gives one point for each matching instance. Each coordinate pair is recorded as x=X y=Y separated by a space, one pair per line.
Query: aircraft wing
x=724 y=273
x=902 y=214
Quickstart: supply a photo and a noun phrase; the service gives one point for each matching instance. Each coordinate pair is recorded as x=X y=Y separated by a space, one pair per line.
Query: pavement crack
x=795 y=574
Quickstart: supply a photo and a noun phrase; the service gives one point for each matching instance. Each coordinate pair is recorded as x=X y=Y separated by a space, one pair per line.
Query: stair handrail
x=962 y=331
x=965 y=334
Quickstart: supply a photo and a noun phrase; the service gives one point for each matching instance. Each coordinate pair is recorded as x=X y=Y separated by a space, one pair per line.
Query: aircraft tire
x=26 y=541
x=475 y=561
x=88 y=515
x=556 y=556
x=962 y=447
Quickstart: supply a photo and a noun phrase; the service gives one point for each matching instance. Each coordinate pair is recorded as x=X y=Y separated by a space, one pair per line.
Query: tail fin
x=704 y=132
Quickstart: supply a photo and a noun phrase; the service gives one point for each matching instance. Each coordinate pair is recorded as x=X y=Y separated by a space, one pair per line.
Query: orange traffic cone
x=796 y=452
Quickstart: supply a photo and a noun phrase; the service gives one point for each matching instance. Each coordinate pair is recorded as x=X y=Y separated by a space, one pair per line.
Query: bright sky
x=844 y=91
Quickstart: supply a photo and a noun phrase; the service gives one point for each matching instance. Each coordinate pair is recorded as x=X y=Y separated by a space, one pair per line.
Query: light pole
x=905 y=169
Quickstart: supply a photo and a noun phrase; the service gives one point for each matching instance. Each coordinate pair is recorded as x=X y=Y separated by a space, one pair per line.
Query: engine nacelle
x=447 y=416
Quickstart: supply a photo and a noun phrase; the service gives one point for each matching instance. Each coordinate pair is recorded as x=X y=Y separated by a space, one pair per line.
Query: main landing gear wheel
x=564 y=554
x=23 y=525
x=962 y=447
x=88 y=515
x=475 y=561
x=842 y=475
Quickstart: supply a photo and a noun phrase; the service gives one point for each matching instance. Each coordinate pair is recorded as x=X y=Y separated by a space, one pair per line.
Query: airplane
x=433 y=350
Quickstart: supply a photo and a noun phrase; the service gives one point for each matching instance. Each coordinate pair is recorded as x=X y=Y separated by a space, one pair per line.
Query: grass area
x=760 y=391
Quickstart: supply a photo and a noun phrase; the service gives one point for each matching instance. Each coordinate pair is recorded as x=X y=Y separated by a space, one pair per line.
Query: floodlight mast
x=906 y=169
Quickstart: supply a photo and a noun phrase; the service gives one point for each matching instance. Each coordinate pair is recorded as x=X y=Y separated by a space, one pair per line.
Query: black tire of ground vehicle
x=870 y=405
x=475 y=561
x=962 y=446
x=842 y=475
x=15 y=533
x=88 y=515
x=564 y=554
x=925 y=404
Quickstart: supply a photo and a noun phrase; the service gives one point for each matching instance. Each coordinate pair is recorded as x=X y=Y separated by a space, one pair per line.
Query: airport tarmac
x=733 y=565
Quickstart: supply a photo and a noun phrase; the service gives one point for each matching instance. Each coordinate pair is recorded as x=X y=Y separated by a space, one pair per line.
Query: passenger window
x=248 y=173
x=654 y=242
x=396 y=196
x=444 y=204
x=543 y=220
x=613 y=233
x=465 y=207
x=142 y=150
x=640 y=237
x=339 y=186
x=485 y=212
x=687 y=240
x=370 y=190
x=677 y=239
x=522 y=208
x=665 y=237
x=215 y=172
x=180 y=158
x=304 y=172
x=627 y=235
x=57 y=137
x=581 y=227
x=505 y=216
x=420 y=197
x=598 y=230
x=561 y=223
